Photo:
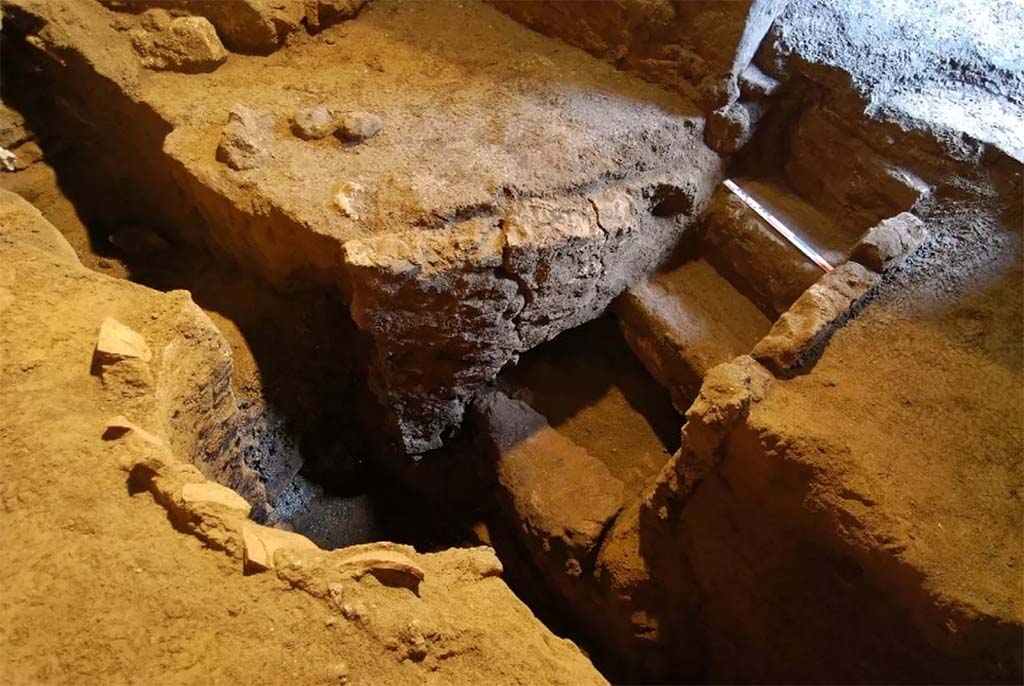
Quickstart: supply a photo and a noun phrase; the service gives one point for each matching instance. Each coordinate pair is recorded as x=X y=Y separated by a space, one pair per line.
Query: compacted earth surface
x=373 y=342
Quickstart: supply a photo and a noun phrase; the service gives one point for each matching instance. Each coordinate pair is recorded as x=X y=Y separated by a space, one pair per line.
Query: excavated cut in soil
x=590 y=386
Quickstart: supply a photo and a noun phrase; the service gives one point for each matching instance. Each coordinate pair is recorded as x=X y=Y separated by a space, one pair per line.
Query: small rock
x=28 y=154
x=122 y=23
x=353 y=611
x=355 y=127
x=138 y=241
x=413 y=636
x=214 y=493
x=246 y=138
x=117 y=342
x=348 y=199
x=185 y=44
x=313 y=122
x=333 y=11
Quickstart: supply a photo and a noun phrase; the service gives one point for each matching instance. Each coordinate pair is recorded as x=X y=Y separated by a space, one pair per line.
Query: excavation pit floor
x=589 y=386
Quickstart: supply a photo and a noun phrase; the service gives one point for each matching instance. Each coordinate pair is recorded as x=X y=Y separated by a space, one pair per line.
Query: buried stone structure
x=842 y=500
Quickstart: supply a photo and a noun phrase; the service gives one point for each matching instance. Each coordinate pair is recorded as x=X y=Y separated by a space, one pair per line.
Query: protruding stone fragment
x=261 y=543
x=156 y=19
x=355 y=127
x=725 y=397
x=185 y=44
x=389 y=567
x=477 y=563
x=323 y=13
x=213 y=493
x=27 y=154
x=246 y=139
x=117 y=342
x=813 y=317
x=888 y=243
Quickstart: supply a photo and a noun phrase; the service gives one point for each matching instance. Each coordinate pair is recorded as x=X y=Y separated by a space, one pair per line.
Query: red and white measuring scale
x=783 y=230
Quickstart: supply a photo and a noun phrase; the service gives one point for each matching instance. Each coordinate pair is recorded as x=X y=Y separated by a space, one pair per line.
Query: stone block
x=885 y=245
x=813 y=317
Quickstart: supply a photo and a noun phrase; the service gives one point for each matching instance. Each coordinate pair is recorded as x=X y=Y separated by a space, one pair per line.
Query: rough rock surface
x=314 y=122
x=117 y=342
x=97 y=569
x=356 y=127
x=936 y=67
x=253 y=26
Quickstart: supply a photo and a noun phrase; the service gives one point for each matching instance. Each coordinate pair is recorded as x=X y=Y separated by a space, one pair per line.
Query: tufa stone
x=728 y=129
x=813 y=317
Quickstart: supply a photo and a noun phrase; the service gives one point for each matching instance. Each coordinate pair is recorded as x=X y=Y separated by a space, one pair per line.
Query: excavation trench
x=460 y=331
x=308 y=423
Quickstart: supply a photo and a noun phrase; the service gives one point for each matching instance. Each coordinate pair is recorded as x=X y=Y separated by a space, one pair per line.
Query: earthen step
x=684 y=322
x=763 y=265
